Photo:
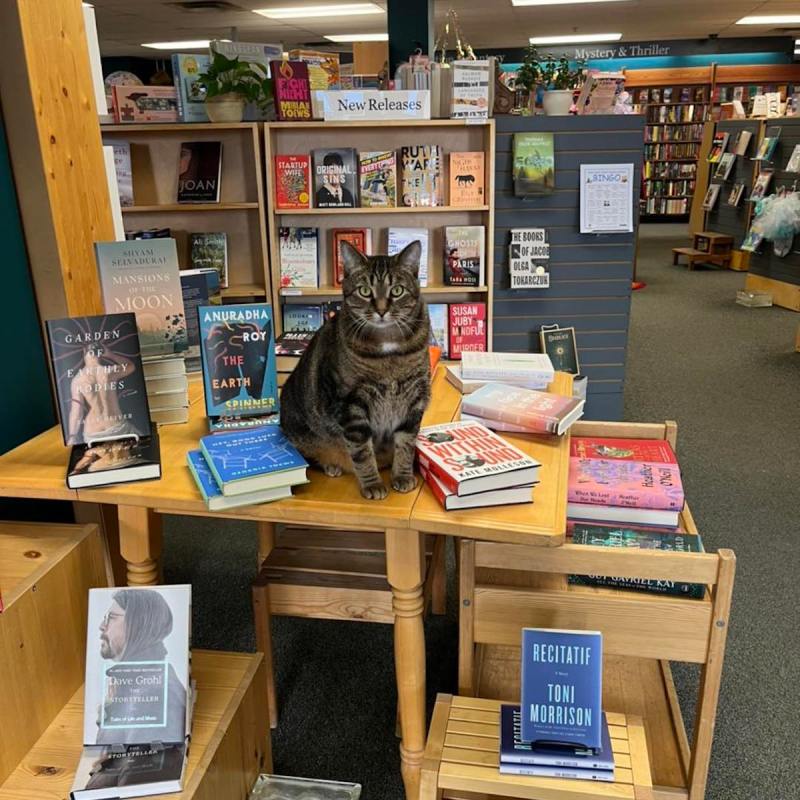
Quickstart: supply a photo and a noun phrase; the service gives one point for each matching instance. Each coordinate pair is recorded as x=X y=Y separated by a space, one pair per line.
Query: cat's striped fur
x=356 y=398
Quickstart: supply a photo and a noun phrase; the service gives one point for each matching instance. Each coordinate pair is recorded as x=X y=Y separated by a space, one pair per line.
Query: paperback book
x=466 y=179
x=293 y=181
x=335 y=178
x=561 y=347
x=199 y=172
x=470 y=89
x=299 y=257
x=464 y=255
x=190 y=92
x=293 y=344
x=437 y=313
x=210 y=251
x=360 y=238
x=422 y=175
x=792 y=166
x=533 y=164
x=302 y=317
x=736 y=194
x=399 y=238
x=199 y=287
x=710 y=200
x=292 y=90
x=769 y=143
x=725 y=166
x=718 y=146
x=500 y=367
x=761 y=185
x=742 y=142
x=378 y=178
x=124 y=171
x=467 y=328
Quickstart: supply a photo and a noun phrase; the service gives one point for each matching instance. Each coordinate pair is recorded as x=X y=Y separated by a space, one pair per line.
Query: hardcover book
x=143 y=277
x=761 y=185
x=378 y=178
x=527 y=367
x=422 y=179
x=302 y=317
x=199 y=172
x=725 y=166
x=293 y=343
x=710 y=200
x=400 y=238
x=450 y=501
x=493 y=424
x=736 y=194
x=467 y=458
x=742 y=142
x=210 y=250
x=466 y=179
x=191 y=94
x=199 y=287
x=464 y=255
x=99 y=381
x=470 y=89
x=104 y=463
x=657 y=451
x=293 y=181
x=138 y=104
x=122 y=166
x=137 y=665
x=360 y=238
x=467 y=328
x=718 y=146
x=292 y=90
x=464 y=385
x=238 y=355
x=562 y=681
x=299 y=257
x=335 y=178
x=437 y=313
x=561 y=347
x=533 y=164
x=792 y=166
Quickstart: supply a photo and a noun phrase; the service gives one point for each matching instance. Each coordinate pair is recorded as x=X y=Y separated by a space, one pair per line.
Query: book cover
x=761 y=185
x=198 y=288
x=562 y=681
x=753 y=241
x=422 y=179
x=668 y=94
x=657 y=451
x=115 y=461
x=468 y=458
x=137 y=665
x=540 y=412
x=766 y=149
x=710 y=200
x=98 y=374
x=238 y=356
x=143 y=277
x=298 y=249
x=533 y=164
x=360 y=238
x=378 y=178
x=293 y=343
x=305 y=317
x=139 y=104
x=190 y=93
x=464 y=255
x=293 y=181
x=792 y=166
x=494 y=366
x=513 y=750
x=199 y=172
x=655 y=95
x=399 y=238
x=736 y=194
x=335 y=178
x=450 y=501
x=437 y=313
x=718 y=146
x=210 y=251
x=612 y=536
x=564 y=773
x=124 y=171
x=561 y=347
x=292 y=90
x=470 y=89
x=742 y=142
x=467 y=328
x=466 y=179
x=724 y=166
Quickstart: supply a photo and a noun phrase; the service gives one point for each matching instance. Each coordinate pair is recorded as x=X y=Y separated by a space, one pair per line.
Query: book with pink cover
x=655 y=450
x=537 y=412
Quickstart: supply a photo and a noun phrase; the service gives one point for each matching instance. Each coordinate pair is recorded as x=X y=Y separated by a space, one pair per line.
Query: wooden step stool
x=462 y=759
x=319 y=573
x=707 y=248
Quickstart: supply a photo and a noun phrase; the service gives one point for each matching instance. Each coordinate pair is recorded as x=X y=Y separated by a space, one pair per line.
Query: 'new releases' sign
x=372 y=104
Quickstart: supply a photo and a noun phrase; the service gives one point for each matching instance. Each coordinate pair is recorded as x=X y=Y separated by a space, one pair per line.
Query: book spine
x=212 y=466
x=176 y=80
x=557 y=772
x=551 y=761
x=502 y=374
x=425 y=462
x=434 y=487
x=693 y=590
x=533 y=422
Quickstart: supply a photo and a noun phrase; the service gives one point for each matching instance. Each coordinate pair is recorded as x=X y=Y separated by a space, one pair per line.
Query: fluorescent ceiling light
x=193 y=44
x=770 y=19
x=300 y=12
x=575 y=38
x=560 y=2
x=359 y=37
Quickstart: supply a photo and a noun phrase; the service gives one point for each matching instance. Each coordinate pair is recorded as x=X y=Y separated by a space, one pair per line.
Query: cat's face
x=381 y=293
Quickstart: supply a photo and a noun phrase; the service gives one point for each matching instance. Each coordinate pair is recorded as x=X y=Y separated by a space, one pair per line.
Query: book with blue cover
x=246 y=461
x=562 y=682
x=237 y=347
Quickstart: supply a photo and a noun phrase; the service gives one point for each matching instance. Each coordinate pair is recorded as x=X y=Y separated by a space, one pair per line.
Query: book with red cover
x=450 y=501
x=293 y=181
x=360 y=238
x=467 y=328
x=539 y=412
x=468 y=458
x=292 y=90
x=655 y=450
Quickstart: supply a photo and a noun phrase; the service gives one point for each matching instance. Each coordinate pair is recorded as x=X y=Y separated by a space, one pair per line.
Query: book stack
x=468 y=466
x=624 y=481
x=247 y=467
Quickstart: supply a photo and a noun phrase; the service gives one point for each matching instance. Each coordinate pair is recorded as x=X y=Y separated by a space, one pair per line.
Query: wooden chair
x=504 y=588
x=332 y=574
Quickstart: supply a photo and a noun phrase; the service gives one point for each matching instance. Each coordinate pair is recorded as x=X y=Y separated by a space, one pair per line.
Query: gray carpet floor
x=730 y=378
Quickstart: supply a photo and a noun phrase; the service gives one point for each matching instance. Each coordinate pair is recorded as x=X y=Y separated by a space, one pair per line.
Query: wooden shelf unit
x=241 y=214
x=291 y=138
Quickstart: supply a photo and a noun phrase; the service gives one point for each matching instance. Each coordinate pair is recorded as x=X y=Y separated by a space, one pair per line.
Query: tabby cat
x=355 y=401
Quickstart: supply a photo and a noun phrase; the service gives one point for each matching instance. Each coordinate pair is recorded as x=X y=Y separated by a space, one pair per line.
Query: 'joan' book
x=562 y=682
x=199 y=172
x=137 y=666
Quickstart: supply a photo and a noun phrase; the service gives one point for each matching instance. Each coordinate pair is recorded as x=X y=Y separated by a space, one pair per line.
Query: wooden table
x=37 y=468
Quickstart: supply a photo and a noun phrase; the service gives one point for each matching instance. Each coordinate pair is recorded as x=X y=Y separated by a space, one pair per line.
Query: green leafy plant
x=231 y=76
x=546 y=71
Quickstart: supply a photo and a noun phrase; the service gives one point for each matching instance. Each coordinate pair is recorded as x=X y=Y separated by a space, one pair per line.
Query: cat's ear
x=409 y=257
x=352 y=258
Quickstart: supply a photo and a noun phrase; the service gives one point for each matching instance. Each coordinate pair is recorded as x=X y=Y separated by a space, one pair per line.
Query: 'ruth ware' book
x=299 y=257
x=199 y=172
x=137 y=666
x=292 y=92
x=293 y=181
x=464 y=255
x=422 y=175
x=467 y=328
x=468 y=458
x=562 y=682
x=466 y=179
x=335 y=178
x=378 y=177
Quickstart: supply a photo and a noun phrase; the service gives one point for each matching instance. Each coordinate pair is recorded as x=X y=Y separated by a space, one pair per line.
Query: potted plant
x=230 y=84
x=556 y=77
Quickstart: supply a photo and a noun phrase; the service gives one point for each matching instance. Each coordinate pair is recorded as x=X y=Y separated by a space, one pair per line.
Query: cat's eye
x=396 y=291
x=364 y=291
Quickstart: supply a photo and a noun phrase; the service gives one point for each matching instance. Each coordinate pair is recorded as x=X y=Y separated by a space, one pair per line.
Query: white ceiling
x=124 y=24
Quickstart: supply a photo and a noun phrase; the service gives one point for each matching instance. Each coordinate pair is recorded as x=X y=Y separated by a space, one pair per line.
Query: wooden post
x=56 y=151
x=140 y=544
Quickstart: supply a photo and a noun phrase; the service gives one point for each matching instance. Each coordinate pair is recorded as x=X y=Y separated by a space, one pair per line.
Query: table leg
x=140 y=544
x=263 y=618
x=405 y=569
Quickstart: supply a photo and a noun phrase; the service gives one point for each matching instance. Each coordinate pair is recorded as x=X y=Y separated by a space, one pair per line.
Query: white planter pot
x=225 y=108
x=557 y=102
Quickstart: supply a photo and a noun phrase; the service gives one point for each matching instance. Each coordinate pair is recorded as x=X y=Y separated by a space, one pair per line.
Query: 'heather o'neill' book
x=137 y=666
x=249 y=461
x=538 y=412
x=527 y=367
x=335 y=178
x=562 y=683
x=468 y=458
x=199 y=172
x=142 y=277
x=378 y=178
x=237 y=347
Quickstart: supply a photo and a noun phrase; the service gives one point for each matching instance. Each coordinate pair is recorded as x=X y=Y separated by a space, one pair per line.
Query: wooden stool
x=707 y=248
x=319 y=573
x=463 y=756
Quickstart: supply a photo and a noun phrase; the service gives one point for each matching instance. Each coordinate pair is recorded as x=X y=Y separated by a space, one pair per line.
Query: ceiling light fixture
x=358 y=37
x=770 y=19
x=560 y=2
x=300 y=12
x=576 y=38
x=193 y=44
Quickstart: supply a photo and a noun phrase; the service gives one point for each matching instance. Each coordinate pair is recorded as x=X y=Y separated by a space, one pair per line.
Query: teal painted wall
x=25 y=401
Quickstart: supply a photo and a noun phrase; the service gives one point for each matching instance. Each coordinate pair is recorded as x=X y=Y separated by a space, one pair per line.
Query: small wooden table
x=707 y=248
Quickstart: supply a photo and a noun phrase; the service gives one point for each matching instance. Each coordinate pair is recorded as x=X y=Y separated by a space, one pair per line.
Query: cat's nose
x=381 y=306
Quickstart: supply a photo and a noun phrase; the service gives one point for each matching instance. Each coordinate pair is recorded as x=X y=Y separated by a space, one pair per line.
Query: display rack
x=290 y=138
x=743 y=82
x=240 y=213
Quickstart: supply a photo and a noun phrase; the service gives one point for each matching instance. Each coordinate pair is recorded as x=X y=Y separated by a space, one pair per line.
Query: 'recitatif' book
x=466 y=179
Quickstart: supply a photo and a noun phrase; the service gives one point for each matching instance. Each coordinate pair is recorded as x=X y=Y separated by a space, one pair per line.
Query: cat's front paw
x=374 y=491
x=332 y=470
x=404 y=483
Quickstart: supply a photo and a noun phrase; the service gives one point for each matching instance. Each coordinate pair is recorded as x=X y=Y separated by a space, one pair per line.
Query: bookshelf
x=241 y=213
x=289 y=138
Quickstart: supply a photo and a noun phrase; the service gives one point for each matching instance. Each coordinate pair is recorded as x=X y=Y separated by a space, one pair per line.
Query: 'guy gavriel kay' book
x=137 y=666
x=562 y=682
